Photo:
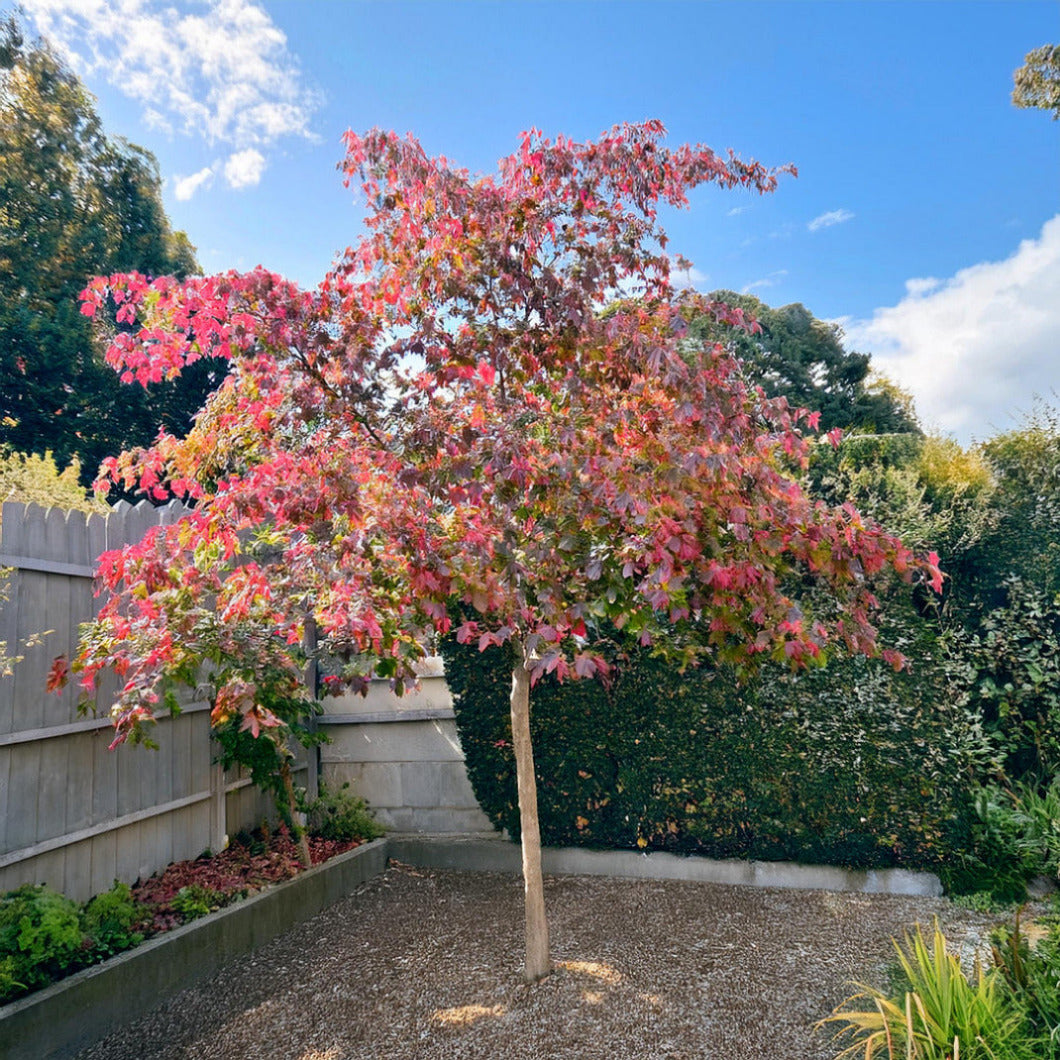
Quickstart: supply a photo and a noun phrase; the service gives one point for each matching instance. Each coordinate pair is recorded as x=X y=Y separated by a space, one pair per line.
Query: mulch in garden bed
x=252 y=861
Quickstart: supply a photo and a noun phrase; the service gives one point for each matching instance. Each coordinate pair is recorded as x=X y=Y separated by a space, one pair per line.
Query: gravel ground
x=419 y=964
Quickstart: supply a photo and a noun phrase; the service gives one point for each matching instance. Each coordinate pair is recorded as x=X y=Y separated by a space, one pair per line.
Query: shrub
x=40 y=938
x=989 y=859
x=109 y=920
x=1007 y=670
x=936 y=1013
x=342 y=815
x=1013 y=836
x=34 y=479
x=814 y=768
x=1032 y=972
x=1038 y=812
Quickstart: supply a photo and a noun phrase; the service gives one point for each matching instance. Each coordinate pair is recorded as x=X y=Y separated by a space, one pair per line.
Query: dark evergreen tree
x=74 y=203
x=799 y=357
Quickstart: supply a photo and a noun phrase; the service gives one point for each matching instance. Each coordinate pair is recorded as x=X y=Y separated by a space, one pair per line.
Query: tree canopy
x=794 y=355
x=73 y=203
x=449 y=434
x=1037 y=81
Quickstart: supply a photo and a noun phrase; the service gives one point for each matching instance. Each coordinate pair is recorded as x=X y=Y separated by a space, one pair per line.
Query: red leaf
x=58 y=674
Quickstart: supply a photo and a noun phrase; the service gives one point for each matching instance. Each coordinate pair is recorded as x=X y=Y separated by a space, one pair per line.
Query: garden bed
x=71 y=1014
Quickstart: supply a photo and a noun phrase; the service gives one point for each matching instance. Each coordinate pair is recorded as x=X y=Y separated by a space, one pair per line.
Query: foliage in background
x=937 y=1012
x=1037 y=81
x=1006 y=670
x=74 y=203
x=1024 y=539
x=36 y=479
x=801 y=358
x=927 y=488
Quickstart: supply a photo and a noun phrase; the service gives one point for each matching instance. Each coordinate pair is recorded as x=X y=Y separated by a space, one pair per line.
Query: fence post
x=218 y=806
x=312 y=680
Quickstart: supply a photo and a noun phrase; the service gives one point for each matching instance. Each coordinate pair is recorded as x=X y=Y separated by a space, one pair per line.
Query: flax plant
x=943 y=1015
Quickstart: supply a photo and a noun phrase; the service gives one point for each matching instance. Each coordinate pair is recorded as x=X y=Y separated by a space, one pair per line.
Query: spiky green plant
x=942 y=1015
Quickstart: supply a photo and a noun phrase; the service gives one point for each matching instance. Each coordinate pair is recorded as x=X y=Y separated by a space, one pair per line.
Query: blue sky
x=925 y=218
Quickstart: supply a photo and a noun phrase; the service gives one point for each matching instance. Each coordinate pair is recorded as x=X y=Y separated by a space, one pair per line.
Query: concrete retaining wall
x=493 y=855
x=69 y=1016
x=403 y=755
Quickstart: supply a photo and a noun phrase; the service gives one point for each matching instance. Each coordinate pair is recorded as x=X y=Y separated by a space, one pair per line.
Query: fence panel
x=73 y=814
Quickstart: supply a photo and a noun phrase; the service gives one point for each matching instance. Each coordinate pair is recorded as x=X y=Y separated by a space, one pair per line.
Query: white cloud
x=921 y=286
x=689 y=277
x=826 y=220
x=976 y=348
x=767 y=281
x=186 y=187
x=244 y=168
x=736 y=211
x=219 y=70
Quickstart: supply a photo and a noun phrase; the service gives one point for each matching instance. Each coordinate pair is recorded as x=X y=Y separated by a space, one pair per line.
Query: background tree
x=74 y=203
x=1037 y=81
x=796 y=356
x=36 y=480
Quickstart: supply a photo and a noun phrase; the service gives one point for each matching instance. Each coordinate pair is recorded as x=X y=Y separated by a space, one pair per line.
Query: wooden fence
x=74 y=814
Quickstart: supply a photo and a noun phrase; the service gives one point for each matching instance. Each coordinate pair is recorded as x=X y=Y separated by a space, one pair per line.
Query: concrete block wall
x=403 y=755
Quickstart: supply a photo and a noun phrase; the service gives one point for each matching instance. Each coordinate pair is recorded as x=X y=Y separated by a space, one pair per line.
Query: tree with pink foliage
x=489 y=417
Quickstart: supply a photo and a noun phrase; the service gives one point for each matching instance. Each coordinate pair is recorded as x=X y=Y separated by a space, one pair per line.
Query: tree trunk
x=297 y=831
x=538 y=962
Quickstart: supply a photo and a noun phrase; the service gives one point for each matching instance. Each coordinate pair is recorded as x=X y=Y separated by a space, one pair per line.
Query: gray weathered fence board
x=84 y=814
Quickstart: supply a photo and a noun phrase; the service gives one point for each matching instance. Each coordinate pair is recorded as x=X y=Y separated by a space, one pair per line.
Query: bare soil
x=422 y=964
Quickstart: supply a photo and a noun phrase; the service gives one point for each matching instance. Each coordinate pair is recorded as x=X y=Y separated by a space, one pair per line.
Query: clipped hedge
x=847 y=766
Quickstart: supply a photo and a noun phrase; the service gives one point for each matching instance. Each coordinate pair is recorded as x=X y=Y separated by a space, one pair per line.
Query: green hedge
x=849 y=765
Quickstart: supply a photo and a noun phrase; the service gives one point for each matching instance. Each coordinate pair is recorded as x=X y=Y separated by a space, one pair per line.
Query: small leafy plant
x=195 y=901
x=993 y=860
x=341 y=815
x=109 y=922
x=1037 y=814
x=982 y=902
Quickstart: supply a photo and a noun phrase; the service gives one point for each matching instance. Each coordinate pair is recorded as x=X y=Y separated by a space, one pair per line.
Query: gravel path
x=423 y=964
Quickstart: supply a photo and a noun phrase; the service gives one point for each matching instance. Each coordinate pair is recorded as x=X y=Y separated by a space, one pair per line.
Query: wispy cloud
x=976 y=348
x=186 y=187
x=220 y=70
x=736 y=211
x=767 y=281
x=919 y=286
x=826 y=220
